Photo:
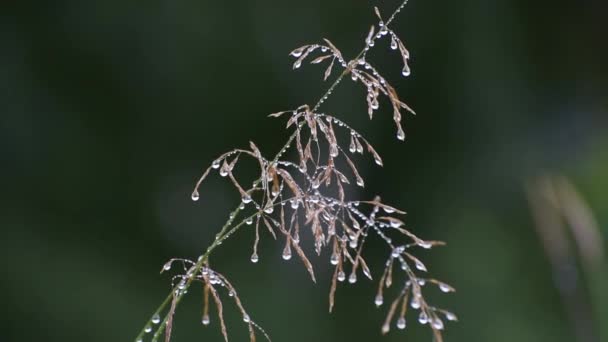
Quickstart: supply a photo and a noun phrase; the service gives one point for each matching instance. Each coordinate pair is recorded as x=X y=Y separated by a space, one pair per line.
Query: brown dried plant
x=309 y=193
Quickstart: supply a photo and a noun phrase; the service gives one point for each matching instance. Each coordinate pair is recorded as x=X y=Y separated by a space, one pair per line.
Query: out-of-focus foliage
x=110 y=110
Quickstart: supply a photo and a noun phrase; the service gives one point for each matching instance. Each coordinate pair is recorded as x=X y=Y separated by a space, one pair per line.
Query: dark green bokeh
x=111 y=109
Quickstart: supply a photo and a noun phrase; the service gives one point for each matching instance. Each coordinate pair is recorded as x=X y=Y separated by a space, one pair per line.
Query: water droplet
x=401 y=323
x=423 y=318
x=195 y=196
x=205 y=320
x=148 y=329
x=361 y=61
x=405 y=72
x=360 y=182
x=421 y=282
x=445 y=287
x=394 y=43
x=254 y=258
x=415 y=303
x=334 y=259
x=155 y=319
x=223 y=172
x=379 y=300
x=425 y=245
x=352 y=278
x=450 y=316
x=401 y=135
x=420 y=266
x=167 y=266
x=378 y=160
x=341 y=276
x=385 y=328
x=269 y=210
x=438 y=324
x=249 y=221
x=246 y=318
x=316 y=184
x=231 y=293
x=295 y=204
x=287 y=253
x=297 y=64
x=352 y=243
x=353 y=76
x=246 y=199
x=333 y=150
x=215 y=164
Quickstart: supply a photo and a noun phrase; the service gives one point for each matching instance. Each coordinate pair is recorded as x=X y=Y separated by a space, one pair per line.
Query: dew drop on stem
x=195 y=196
x=254 y=258
x=155 y=319
x=379 y=300
x=401 y=323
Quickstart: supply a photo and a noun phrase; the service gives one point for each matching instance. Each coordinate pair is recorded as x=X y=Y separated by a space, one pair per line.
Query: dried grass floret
x=309 y=194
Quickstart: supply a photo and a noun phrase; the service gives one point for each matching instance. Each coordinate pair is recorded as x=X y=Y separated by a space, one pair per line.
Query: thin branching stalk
x=313 y=193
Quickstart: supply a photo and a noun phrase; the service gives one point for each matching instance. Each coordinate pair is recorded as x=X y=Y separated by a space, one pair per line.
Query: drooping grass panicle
x=290 y=197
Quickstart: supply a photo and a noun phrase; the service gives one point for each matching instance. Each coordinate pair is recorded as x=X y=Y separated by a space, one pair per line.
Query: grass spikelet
x=309 y=191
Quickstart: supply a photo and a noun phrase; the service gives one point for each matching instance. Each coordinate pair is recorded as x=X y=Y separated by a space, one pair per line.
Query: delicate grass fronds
x=309 y=192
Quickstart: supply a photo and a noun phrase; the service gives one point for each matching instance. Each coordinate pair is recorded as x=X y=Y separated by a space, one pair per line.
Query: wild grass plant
x=308 y=195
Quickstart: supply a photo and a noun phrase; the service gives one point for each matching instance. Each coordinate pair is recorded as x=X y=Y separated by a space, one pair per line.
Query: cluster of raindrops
x=308 y=193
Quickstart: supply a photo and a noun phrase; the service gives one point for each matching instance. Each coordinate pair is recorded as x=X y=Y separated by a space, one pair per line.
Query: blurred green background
x=110 y=109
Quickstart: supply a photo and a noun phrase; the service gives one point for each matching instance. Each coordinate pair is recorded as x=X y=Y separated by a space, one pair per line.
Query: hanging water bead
x=424 y=244
x=215 y=164
x=247 y=199
x=415 y=303
x=401 y=323
x=205 y=320
x=352 y=278
x=254 y=258
x=249 y=221
x=423 y=318
x=438 y=324
x=450 y=316
x=195 y=196
x=400 y=134
x=148 y=329
x=341 y=276
x=420 y=266
x=297 y=64
x=360 y=182
x=445 y=288
x=379 y=300
x=334 y=259
x=394 y=43
x=155 y=319
x=287 y=253
x=406 y=71
x=269 y=209
x=167 y=266
x=246 y=318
